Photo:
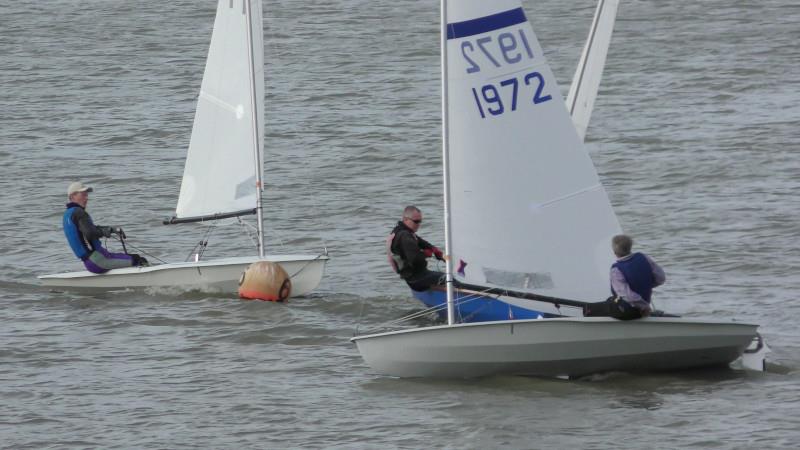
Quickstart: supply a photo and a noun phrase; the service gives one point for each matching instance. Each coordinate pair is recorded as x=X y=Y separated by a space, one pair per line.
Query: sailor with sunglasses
x=407 y=253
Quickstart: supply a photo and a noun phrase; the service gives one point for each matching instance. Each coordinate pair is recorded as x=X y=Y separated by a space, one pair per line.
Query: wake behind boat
x=223 y=173
x=527 y=220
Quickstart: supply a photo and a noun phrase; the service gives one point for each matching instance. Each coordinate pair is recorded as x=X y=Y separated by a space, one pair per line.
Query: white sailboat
x=526 y=215
x=223 y=173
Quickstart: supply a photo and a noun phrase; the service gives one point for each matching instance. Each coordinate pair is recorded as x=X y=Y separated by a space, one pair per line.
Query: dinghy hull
x=568 y=347
x=220 y=275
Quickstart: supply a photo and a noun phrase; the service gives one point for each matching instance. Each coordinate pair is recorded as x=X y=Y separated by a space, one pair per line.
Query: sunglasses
x=417 y=221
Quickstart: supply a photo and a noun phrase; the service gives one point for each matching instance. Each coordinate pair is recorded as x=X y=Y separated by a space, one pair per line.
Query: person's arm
x=423 y=244
x=624 y=291
x=659 y=277
x=430 y=249
x=86 y=227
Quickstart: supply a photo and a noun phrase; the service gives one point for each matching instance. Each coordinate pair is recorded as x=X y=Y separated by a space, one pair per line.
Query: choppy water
x=695 y=135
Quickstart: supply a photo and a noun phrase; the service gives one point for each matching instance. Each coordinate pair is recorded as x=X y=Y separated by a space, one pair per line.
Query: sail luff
x=446 y=165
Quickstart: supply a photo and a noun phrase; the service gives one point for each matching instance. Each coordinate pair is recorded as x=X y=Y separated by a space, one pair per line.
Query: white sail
x=527 y=210
x=222 y=177
x=518 y=208
x=223 y=163
x=586 y=82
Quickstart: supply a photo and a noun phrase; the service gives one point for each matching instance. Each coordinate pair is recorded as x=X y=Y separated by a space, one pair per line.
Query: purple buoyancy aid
x=638 y=273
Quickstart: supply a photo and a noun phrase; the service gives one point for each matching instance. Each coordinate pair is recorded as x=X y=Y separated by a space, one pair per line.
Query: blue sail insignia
x=485 y=24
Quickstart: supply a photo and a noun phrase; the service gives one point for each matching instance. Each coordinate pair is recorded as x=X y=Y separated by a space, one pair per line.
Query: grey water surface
x=694 y=135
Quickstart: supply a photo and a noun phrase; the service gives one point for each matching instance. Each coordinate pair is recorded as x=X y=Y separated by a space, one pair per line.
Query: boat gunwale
x=581 y=320
x=186 y=265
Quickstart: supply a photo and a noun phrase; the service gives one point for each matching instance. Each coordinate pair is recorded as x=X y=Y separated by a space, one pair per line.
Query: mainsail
x=223 y=164
x=527 y=210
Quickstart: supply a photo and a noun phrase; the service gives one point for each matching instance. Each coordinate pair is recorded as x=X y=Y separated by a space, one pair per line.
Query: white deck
x=217 y=275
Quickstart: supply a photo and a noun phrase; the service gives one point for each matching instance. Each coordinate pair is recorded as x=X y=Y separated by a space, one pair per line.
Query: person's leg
x=612 y=307
x=625 y=311
x=92 y=267
x=104 y=260
x=425 y=280
x=600 y=309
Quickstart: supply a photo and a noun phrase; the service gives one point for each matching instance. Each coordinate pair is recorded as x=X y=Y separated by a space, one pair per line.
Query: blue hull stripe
x=485 y=24
x=477 y=308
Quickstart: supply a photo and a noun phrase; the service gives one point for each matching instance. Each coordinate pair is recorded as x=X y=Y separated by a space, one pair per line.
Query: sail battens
x=554 y=201
x=221 y=103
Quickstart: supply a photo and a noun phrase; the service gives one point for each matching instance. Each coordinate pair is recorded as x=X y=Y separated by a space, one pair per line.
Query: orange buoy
x=265 y=280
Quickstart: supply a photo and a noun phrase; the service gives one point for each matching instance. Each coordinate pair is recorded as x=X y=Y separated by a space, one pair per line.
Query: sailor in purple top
x=634 y=275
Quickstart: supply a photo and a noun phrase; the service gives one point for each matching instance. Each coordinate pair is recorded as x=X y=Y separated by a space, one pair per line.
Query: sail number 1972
x=505 y=48
x=509 y=48
x=489 y=99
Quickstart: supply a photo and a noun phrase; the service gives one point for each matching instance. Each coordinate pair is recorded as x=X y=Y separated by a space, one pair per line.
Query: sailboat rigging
x=223 y=173
x=513 y=161
x=570 y=190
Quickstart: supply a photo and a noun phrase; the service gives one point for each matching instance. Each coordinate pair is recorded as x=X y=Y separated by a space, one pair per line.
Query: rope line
x=397 y=323
x=126 y=242
x=304 y=266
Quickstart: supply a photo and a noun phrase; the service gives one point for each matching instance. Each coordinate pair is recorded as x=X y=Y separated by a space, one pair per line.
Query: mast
x=256 y=137
x=446 y=166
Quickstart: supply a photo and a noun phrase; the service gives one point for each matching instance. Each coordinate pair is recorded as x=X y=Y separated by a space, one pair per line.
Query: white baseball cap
x=78 y=187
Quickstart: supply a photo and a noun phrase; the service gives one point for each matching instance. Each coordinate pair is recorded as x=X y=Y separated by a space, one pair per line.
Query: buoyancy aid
x=638 y=273
x=394 y=259
x=395 y=255
x=77 y=242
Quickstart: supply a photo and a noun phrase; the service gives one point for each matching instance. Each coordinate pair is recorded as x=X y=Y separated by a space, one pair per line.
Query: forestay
x=226 y=147
x=527 y=210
